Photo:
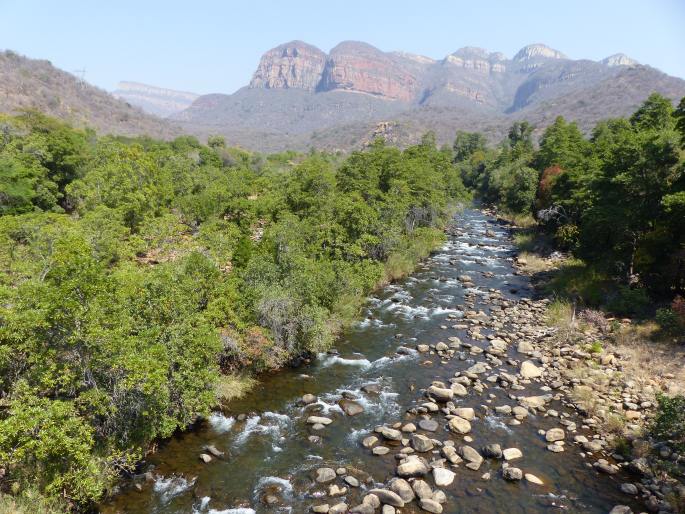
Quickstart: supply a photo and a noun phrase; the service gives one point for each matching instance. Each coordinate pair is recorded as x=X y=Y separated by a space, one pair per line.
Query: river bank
x=452 y=395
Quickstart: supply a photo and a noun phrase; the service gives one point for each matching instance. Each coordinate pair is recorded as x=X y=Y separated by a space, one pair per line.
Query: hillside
x=36 y=84
x=154 y=100
x=300 y=96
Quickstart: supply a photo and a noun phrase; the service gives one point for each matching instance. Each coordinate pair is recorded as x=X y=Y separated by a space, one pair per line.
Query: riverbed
x=271 y=453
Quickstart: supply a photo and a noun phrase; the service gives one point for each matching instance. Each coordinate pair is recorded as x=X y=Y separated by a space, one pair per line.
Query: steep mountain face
x=35 y=84
x=302 y=97
x=154 y=100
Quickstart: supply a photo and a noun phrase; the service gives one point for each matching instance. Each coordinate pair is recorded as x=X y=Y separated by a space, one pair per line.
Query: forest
x=136 y=274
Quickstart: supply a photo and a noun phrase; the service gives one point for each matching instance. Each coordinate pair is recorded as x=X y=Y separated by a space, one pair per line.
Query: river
x=272 y=458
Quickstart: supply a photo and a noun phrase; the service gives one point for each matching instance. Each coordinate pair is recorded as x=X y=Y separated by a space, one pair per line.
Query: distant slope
x=154 y=100
x=300 y=97
x=36 y=84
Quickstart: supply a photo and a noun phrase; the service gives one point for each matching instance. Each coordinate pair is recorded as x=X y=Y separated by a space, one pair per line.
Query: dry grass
x=233 y=386
x=532 y=263
x=30 y=502
x=645 y=359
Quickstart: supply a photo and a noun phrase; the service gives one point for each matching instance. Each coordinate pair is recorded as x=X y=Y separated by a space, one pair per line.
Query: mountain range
x=301 y=97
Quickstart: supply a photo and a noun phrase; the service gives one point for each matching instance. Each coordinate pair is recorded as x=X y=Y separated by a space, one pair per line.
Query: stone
x=391 y=434
x=350 y=407
x=339 y=508
x=351 y=481
x=369 y=441
x=206 y=458
x=388 y=497
x=493 y=451
x=525 y=347
x=336 y=490
x=412 y=467
x=451 y=454
x=371 y=499
x=471 y=455
x=308 y=399
x=555 y=434
x=422 y=489
x=459 y=425
x=533 y=479
x=430 y=505
x=324 y=475
x=429 y=425
x=512 y=474
x=459 y=390
x=421 y=443
x=511 y=454
x=319 y=420
x=465 y=412
x=388 y=509
x=380 y=450
x=403 y=489
x=323 y=508
x=629 y=488
x=363 y=508
x=441 y=394
x=530 y=370
x=443 y=477
x=291 y=65
x=621 y=509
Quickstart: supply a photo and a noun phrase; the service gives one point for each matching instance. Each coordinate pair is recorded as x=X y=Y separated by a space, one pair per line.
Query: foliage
x=669 y=421
x=134 y=271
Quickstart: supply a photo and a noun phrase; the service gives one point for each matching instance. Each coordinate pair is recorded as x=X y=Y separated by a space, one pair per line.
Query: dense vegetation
x=132 y=272
x=615 y=199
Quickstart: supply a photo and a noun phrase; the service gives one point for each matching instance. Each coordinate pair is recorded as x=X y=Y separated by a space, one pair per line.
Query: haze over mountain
x=299 y=96
x=154 y=100
x=36 y=84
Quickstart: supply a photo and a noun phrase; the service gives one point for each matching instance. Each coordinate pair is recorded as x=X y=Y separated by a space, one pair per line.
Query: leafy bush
x=628 y=301
x=669 y=421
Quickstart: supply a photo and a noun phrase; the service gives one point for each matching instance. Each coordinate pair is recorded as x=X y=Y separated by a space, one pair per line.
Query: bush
x=669 y=422
x=629 y=301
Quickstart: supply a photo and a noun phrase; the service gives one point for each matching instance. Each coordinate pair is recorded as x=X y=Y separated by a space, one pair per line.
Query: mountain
x=36 y=84
x=299 y=96
x=154 y=100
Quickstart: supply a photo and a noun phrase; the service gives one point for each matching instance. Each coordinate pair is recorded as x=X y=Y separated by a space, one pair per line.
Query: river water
x=267 y=440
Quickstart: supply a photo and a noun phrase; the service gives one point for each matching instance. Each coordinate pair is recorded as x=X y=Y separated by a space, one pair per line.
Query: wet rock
x=380 y=450
x=388 y=497
x=422 y=489
x=530 y=370
x=525 y=347
x=319 y=420
x=534 y=402
x=493 y=451
x=371 y=388
x=459 y=425
x=465 y=412
x=213 y=451
x=402 y=488
x=351 y=481
x=391 y=434
x=443 y=477
x=369 y=441
x=430 y=505
x=471 y=456
x=371 y=499
x=324 y=475
x=362 y=509
x=421 y=443
x=621 y=509
x=511 y=454
x=206 y=458
x=308 y=399
x=441 y=394
x=336 y=490
x=512 y=474
x=412 y=466
x=603 y=466
x=554 y=434
x=459 y=390
x=388 y=509
x=629 y=488
x=339 y=508
x=592 y=446
x=533 y=479
x=451 y=454
x=350 y=407
x=429 y=425
x=323 y=508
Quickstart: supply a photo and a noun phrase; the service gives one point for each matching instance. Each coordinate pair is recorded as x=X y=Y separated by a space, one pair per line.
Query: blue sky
x=213 y=46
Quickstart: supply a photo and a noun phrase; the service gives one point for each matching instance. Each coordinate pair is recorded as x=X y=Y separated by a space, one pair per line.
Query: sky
x=214 y=46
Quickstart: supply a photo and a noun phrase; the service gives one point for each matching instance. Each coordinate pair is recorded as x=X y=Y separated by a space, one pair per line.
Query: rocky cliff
x=300 y=96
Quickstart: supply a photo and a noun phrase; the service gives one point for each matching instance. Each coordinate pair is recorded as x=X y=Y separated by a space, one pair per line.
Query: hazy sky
x=213 y=46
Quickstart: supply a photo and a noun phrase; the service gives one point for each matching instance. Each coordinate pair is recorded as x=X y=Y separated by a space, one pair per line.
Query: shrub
x=629 y=301
x=669 y=422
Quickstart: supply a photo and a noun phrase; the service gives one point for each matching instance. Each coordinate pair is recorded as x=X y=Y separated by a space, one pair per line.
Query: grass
x=233 y=386
x=30 y=502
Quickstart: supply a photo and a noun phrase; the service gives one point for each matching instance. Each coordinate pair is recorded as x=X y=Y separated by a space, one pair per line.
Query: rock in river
x=350 y=407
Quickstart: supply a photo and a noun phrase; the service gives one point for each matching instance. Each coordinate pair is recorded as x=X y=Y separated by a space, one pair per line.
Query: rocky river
x=444 y=398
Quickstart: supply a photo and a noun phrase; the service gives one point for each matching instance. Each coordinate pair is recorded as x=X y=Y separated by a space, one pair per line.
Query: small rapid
x=271 y=453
